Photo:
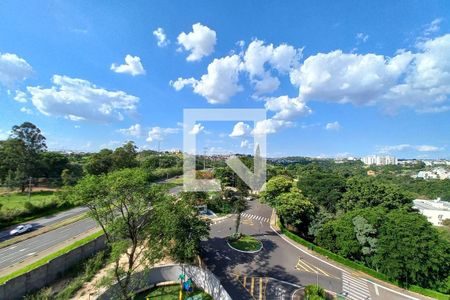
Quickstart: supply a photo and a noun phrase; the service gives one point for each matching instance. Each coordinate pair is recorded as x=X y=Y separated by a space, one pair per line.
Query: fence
x=203 y=278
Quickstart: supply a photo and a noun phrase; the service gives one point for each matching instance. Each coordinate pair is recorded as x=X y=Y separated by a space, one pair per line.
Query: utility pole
x=29 y=188
x=204 y=158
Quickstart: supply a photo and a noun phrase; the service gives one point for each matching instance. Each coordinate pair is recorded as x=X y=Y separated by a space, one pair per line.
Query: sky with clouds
x=336 y=79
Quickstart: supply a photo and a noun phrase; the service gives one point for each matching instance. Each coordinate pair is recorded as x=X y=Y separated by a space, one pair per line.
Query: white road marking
x=338 y=268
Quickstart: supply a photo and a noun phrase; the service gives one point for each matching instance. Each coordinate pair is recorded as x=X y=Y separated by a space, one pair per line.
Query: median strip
x=42 y=230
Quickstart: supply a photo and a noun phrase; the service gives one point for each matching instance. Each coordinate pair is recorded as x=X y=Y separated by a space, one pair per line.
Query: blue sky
x=347 y=78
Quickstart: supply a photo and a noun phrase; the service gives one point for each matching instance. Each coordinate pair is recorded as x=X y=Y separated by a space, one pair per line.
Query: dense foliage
x=368 y=219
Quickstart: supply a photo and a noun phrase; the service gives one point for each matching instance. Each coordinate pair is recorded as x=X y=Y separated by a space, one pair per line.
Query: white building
x=437 y=173
x=379 y=160
x=436 y=211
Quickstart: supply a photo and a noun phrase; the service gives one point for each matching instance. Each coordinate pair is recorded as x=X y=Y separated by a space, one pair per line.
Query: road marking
x=356 y=288
x=336 y=267
x=376 y=290
x=308 y=267
x=254 y=217
x=260 y=288
x=252 y=286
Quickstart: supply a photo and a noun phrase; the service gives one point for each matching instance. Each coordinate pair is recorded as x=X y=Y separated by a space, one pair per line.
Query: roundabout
x=245 y=243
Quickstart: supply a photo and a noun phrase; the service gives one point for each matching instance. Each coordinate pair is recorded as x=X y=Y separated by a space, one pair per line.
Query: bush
x=314 y=292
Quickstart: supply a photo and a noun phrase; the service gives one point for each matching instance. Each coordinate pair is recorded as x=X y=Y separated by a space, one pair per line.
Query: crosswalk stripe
x=254 y=217
x=356 y=288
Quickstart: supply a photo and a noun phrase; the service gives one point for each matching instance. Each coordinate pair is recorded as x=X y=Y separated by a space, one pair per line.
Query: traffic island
x=244 y=243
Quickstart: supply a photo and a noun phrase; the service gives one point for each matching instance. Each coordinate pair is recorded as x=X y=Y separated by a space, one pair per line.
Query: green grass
x=49 y=257
x=17 y=200
x=171 y=292
x=177 y=181
x=360 y=267
x=246 y=243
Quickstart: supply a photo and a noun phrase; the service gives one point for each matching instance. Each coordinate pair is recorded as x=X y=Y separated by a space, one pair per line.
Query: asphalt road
x=16 y=253
x=48 y=220
x=280 y=268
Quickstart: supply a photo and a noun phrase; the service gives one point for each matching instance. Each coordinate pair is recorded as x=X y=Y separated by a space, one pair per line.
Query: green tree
x=294 y=209
x=323 y=187
x=314 y=292
x=340 y=234
x=124 y=157
x=239 y=206
x=369 y=192
x=31 y=136
x=177 y=225
x=410 y=250
x=275 y=187
x=99 y=163
x=52 y=164
x=121 y=203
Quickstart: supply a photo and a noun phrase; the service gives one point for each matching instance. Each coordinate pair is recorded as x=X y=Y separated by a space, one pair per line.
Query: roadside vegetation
x=365 y=219
x=72 y=280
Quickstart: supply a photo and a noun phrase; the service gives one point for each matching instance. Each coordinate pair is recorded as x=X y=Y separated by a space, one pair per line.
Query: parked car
x=21 y=229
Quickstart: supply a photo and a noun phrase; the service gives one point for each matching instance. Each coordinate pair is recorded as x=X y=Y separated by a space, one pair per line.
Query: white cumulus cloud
x=20 y=96
x=286 y=108
x=419 y=80
x=240 y=129
x=259 y=59
x=219 y=84
x=132 y=66
x=200 y=42
x=78 y=99
x=270 y=126
x=13 y=69
x=161 y=37
x=134 y=130
x=158 y=133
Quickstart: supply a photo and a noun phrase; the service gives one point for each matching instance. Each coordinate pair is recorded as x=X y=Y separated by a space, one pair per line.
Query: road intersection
x=281 y=265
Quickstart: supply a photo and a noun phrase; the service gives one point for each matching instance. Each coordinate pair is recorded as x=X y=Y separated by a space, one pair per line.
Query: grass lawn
x=246 y=243
x=16 y=200
x=177 y=181
x=171 y=292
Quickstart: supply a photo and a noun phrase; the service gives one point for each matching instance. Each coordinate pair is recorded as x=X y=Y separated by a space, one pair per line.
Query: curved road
x=282 y=267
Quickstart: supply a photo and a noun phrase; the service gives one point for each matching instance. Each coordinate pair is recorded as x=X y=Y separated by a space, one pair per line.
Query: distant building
x=371 y=173
x=436 y=211
x=379 y=160
x=436 y=173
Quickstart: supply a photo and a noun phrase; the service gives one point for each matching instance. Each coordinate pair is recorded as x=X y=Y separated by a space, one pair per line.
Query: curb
x=243 y=251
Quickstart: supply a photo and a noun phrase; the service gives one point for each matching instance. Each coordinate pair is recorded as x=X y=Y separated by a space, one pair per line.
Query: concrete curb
x=243 y=251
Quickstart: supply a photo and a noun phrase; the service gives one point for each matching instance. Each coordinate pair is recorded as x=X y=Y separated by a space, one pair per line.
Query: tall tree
x=294 y=209
x=275 y=187
x=99 y=163
x=369 y=192
x=177 y=225
x=124 y=157
x=31 y=136
x=121 y=203
x=410 y=250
